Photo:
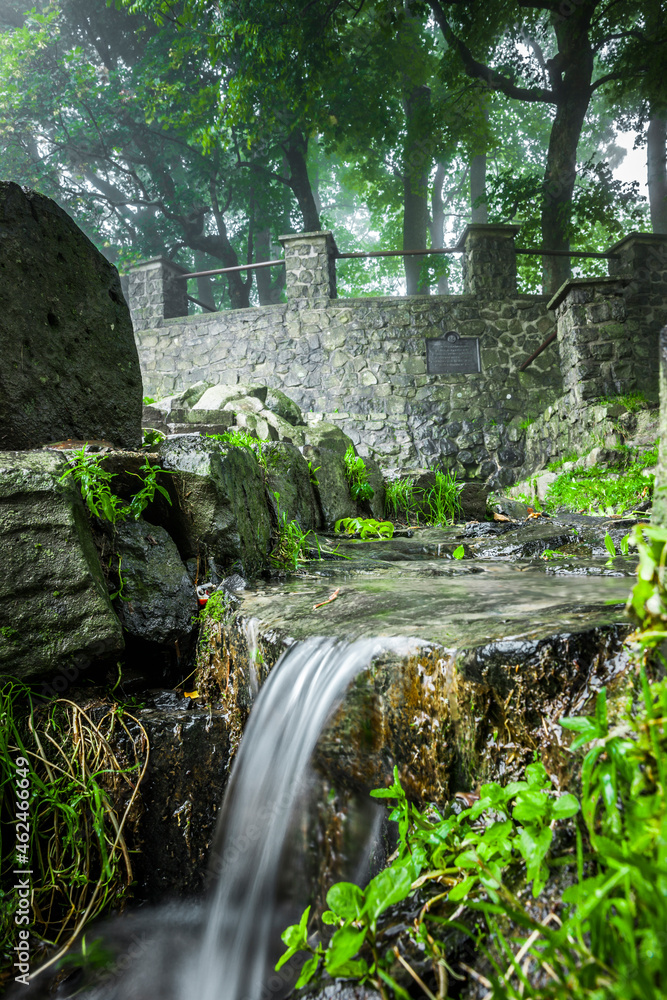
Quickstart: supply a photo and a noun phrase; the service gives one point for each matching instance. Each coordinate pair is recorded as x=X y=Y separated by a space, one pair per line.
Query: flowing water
x=267 y=780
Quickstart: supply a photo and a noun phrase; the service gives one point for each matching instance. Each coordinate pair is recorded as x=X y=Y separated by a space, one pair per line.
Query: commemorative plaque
x=452 y=354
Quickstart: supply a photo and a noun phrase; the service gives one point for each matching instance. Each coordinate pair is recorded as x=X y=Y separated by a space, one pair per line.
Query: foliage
x=152 y=437
x=459 y=552
x=436 y=505
x=608 y=490
x=290 y=549
x=570 y=456
x=357 y=476
x=632 y=401
x=242 y=439
x=365 y=527
x=94 y=482
x=647 y=602
x=83 y=798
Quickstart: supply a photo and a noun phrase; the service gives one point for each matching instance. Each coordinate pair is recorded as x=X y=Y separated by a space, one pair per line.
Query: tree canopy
x=203 y=129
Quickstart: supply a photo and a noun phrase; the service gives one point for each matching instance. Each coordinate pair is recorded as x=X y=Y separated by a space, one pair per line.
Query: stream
x=435 y=644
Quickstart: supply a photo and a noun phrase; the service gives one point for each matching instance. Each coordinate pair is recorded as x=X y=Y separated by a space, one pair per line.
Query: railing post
x=640 y=256
x=156 y=292
x=310 y=267
x=489 y=260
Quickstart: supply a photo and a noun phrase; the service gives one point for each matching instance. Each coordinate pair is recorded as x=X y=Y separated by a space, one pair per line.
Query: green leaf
x=343 y=946
x=531 y=805
x=536 y=775
x=328 y=917
x=565 y=806
x=308 y=971
x=459 y=552
x=460 y=891
x=391 y=886
x=346 y=900
x=609 y=545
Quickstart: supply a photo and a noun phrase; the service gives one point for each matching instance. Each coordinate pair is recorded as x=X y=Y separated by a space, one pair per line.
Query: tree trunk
x=438 y=223
x=416 y=163
x=572 y=85
x=270 y=281
x=204 y=285
x=657 y=172
x=480 y=212
x=296 y=150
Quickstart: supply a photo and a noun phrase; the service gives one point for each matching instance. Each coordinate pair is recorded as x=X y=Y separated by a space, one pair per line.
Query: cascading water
x=268 y=777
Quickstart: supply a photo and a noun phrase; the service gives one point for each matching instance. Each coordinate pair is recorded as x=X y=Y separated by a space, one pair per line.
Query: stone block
x=70 y=367
x=55 y=614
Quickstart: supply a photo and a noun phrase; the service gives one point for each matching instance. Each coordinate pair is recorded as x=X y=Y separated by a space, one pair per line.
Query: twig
x=408 y=968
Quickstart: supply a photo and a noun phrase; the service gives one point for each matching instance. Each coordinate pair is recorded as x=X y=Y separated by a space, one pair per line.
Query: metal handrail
x=228 y=270
x=539 y=350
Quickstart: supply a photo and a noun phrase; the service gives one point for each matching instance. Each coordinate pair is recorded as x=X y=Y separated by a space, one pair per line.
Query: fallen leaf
x=191 y=694
x=328 y=600
x=534 y=513
x=500 y=517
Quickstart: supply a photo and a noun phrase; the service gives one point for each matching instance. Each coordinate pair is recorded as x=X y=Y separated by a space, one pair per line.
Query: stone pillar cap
x=571 y=283
x=307 y=236
x=160 y=260
x=492 y=228
x=637 y=237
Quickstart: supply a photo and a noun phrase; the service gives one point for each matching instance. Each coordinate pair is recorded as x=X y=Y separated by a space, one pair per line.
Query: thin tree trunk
x=416 y=164
x=438 y=222
x=657 y=172
x=269 y=284
x=480 y=212
x=296 y=150
x=204 y=285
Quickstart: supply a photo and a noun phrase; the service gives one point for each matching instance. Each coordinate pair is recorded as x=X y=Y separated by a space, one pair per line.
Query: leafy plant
x=290 y=548
x=152 y=437
x=242 y=439
x=401 y=499
x=459 y=552
x=365 y=527
x=552 y=554
x=82 y=802
x=147 y=400
x=357 y=476
x=441 y=503
x=612 y=491
x=94 y=482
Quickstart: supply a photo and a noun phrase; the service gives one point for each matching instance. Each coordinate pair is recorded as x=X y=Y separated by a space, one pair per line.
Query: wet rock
x=222 y=508
x=55 y=614
x=325 y=435
x=288 y=474
x=190 y=755
x=158 y=598
x=376 y=481
x=70 y=367
x=284 y=407
x=473 y=499
x=332 y=489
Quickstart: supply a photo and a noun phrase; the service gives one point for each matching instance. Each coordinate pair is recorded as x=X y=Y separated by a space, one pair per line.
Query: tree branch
x=493 y=79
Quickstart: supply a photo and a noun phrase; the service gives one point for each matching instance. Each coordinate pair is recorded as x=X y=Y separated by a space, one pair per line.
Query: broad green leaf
x=460 y=891
x=565 y=806
x=389 y=887
x=536 y=775
x=346 y=900
x=531 y=805
x=308 y=971
x=343 y=946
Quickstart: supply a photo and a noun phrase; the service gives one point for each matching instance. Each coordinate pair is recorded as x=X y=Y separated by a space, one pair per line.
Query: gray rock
x=473 y=498
x=159 y=599
x=221 y=511
x=325 y=435
x=288 y=475
x=284 y=407
x=376 y=480
x=70 y=367
x=332 y=490
x=55 y=613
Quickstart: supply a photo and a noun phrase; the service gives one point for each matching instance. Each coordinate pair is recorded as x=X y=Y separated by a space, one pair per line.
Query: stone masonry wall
x=362 y=362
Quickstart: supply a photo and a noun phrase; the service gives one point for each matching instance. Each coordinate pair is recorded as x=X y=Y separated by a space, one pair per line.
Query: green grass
x=290 y=548
x=438 y=505
x=241 y=439
x=357 y=476
x=607 y=490
x=632 y=401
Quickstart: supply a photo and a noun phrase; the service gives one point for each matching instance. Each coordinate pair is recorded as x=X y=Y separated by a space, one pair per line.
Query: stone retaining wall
x=362 y=362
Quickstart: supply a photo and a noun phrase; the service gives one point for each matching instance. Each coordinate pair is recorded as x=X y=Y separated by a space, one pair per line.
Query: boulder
x=288 y=475
x=158 y=597
x=221 y=511
x=284 y=407
x=70 y=367
x=332 y=489
x=55 y=612
x=473 y=499
x=325 y=435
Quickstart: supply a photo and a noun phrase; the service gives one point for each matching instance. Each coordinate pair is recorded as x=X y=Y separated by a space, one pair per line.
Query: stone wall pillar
x=642 y=257
x=595 y=338
x=489 y=260
x=310 y=266
x=157 y=292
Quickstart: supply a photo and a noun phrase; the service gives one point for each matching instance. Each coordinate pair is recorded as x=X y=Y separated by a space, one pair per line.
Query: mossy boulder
x=70 y=367
x=158 y=598
x=221 y=510
x=289 y=476
x=55 y=614
x=332 y=488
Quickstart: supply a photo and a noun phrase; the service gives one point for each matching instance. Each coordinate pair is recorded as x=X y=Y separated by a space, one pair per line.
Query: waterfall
x=267 y=779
